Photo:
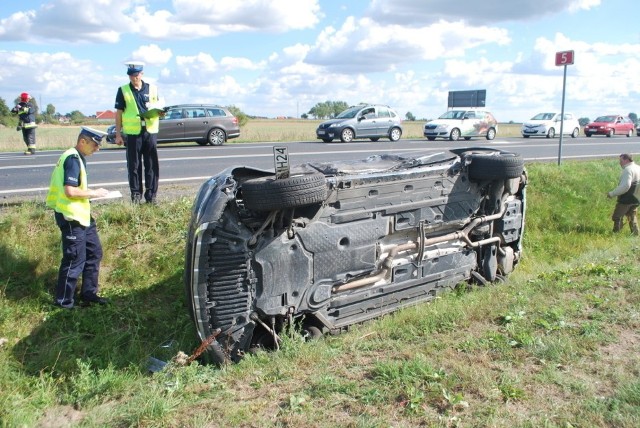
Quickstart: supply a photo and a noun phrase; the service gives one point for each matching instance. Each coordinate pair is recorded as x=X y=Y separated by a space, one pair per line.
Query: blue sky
x=281 y=57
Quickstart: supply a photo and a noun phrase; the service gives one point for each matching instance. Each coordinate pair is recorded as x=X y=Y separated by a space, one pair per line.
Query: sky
x=281 y=57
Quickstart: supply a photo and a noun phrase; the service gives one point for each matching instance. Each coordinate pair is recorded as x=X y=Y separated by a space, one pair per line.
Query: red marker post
x=563 y=58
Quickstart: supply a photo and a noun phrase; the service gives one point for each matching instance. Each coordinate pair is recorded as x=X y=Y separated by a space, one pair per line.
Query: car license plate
x=320 y=132
x=281 y=162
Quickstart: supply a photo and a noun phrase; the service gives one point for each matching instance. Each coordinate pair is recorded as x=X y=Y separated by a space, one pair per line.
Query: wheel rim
x=551 y=133
x=455 y=134
x=347 y=135
x=216 y=137
x=395 y=134
x=491 y=134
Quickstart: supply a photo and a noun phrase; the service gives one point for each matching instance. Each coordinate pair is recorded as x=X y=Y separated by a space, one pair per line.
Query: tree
x=5 y=114
x=633 y=117
x=76 y=116
x=410 y=117
x=239 y=114
x=583 y=121
x=328 y=109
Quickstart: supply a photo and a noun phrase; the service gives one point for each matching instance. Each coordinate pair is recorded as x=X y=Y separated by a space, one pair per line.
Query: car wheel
x=454 y=135
x=327 y=140
x=216 y=137
x=346 y=136
x=467 y=138
x=203 y=142
x=525 y=136
x=491 y=134
x=431 y=138
x=495 y=165
x=269 y=194
x=395 y=134
x=630 y=133
x=610 y=133
x=575 y=133
x=374 y=139
x=551 y=133
x=587 y=134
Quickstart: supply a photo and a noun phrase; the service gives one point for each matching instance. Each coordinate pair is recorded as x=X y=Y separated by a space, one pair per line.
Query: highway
x=28 y=176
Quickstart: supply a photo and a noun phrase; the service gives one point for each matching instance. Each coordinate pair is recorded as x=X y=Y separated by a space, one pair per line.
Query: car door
x=366 y=123
x=171 y=125
x=196 y=124
x=384 y=121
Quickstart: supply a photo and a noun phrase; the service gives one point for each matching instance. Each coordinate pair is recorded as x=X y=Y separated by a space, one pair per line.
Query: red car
x=610 y=126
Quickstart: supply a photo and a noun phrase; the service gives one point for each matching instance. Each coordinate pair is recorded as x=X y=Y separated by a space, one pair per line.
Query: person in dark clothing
x=135 y=118
x=68 y=196
x=27 y=122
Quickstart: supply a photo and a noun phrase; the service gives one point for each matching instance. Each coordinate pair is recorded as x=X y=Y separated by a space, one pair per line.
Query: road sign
x=564 y=58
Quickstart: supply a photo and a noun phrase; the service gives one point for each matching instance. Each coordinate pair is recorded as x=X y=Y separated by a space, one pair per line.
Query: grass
x=556 y=346
x=257 y=130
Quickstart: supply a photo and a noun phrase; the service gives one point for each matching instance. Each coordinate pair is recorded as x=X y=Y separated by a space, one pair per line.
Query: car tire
x=269 y=194
x=630 y=133
x=551 y=133
x=575 y=133
x=395 y=134
x=525 y=136
x=346 y=136
x=374 y=139
x=467 y=138
x=491 y=134
x=216 y=137
x=610 y=133
x=431 y=138
x=454 y=135
x=327 y=140
x=587 y=134
x=495 y=166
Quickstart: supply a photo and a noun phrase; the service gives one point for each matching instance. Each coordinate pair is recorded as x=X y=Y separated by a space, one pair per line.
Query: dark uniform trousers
x=81 y=255
x=142 y=149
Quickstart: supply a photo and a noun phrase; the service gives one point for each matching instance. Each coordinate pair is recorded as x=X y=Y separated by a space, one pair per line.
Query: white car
x=548 y=125
x=462 y=123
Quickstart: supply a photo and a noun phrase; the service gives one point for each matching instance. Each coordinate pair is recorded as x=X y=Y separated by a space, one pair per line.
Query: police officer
x=68 y=196
x=133 y=103
x=27 y=122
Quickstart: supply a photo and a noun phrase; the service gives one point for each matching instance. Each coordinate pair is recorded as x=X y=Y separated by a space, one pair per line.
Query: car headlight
x=334 y=125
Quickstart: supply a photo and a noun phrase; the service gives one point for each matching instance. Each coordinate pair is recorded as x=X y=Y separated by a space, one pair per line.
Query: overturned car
x=339 y=243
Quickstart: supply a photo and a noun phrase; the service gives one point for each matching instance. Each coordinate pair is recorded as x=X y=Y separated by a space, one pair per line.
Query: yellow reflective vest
x=131 y=115
x=72 y=209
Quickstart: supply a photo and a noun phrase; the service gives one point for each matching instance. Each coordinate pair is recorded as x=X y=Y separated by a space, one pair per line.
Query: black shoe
x=93 y=301
x=136 y=198
x=152 y=201
x=58 y=305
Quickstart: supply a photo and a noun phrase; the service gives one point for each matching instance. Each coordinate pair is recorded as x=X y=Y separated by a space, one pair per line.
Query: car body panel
x=470 y=123
x=366 y=121
x=549 y=125
x=610 y=125
x=389 y=231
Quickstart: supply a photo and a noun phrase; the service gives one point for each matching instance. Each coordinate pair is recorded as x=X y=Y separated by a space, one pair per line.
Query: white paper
x=111 y=195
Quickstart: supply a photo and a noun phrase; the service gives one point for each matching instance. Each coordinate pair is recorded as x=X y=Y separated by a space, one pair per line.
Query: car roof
x=194 y=105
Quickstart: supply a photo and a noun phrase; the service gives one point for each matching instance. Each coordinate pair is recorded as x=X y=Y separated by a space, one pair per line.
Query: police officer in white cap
x=140 y=129
x=68 y=196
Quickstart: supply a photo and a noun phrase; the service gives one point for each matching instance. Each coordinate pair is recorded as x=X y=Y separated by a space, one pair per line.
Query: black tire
x=268 y=194
x=347 y=135
x=491 y=134
x=588 y=134
x=495 y=166
x=327 y=140
x=551 y=133
x=374 y=139
x=525 y=136
x=216 y=137
x=610 y=133
x=431 y=138
x=467 y=138
x=575 y=133
x=395 y=134
x=454 y=135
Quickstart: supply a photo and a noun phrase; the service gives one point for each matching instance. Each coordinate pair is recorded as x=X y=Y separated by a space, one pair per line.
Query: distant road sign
x=564 y=58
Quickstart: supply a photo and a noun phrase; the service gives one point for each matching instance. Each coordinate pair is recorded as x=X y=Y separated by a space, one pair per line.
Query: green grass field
x=555 y=346
x=258 y=130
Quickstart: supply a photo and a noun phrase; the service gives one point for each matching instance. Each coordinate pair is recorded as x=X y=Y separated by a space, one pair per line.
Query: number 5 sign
x=564 y=58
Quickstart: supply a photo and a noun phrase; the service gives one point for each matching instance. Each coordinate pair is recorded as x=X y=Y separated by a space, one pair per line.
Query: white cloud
x=152 y=54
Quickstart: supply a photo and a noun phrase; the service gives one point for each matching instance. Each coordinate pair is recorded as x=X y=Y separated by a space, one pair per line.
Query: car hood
x=443 y=121
x=330 y=122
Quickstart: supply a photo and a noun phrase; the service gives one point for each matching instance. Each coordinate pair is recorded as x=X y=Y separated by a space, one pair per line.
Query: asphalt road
x=185 y=167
